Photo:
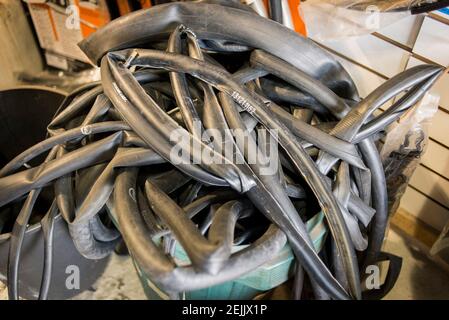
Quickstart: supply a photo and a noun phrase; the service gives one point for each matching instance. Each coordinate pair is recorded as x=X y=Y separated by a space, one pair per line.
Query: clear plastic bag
x=382 y=5
x=404 y=145
x=336 y=19
x=441 y=246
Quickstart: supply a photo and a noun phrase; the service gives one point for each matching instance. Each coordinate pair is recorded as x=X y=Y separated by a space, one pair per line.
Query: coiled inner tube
x=143 y=156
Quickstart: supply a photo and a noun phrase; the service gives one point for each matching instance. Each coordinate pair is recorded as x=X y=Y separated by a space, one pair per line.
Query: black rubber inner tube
x=144 y=155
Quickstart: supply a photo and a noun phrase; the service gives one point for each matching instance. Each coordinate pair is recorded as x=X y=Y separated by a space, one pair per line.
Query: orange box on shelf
x=61 y=24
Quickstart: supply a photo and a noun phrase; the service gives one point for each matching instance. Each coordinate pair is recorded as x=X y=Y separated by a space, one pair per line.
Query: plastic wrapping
x=382 y=5
x=405 y=143
x=327 y=20
x=333 y=19
x=441 y=246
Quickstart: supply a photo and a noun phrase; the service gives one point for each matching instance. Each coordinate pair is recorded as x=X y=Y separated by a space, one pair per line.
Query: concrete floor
x=119 y=282
x=420 y=278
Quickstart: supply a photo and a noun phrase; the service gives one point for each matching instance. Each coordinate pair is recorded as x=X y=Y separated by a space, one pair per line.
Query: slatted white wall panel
x=424 y=208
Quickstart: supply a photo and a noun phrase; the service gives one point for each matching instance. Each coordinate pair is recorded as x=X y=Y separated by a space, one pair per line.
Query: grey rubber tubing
x=113 y=144
x=48 y=227
x=17 y=238
x=339 y=109
x=211 y=254
x=352 y=122
x=218 y=78
x=279 y=93
x=211 y=21
x=180 y=88
x=348 y=127
x=89 y=244
x=62 y=138
x=161 y=270
x=216 y=118
x=154 y=123
x=38 y=177
x=409 y=99
x=269 y=197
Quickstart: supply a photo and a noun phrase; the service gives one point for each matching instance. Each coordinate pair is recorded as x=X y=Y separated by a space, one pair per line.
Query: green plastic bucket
x=264 y=278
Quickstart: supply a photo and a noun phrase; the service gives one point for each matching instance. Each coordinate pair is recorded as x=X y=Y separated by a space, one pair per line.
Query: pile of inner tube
x=212 y=128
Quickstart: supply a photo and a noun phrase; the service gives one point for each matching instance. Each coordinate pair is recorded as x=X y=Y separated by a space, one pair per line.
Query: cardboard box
x=61 y=24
